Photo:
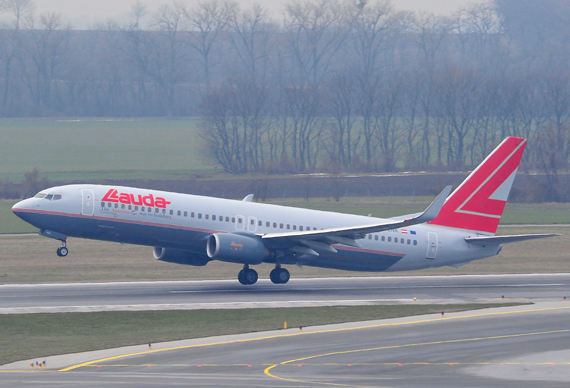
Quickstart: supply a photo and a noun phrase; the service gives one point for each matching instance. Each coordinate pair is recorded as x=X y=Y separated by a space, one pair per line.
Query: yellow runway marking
x=448 y=318
x=300 y=360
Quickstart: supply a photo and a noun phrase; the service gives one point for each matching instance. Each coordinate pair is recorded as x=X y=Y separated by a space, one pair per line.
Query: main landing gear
x=247 y=275
x=62 y=251
x=279 y=275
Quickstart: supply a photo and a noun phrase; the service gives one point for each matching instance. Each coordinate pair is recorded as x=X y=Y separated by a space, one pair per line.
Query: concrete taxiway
x=297 y=293
x=521 y=346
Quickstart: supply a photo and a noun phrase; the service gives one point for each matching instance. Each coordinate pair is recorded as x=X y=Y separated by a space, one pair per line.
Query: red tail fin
x=478 y=203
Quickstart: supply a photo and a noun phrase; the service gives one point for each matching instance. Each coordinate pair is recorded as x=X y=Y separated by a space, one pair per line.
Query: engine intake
x=179 y=256
x=236 y=248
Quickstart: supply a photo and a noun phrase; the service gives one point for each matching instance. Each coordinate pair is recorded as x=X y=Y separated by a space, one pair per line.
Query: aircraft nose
x=22 y=206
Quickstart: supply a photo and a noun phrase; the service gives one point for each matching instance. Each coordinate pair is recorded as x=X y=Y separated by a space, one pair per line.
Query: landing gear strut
x=247 y=276
x=62 y=251
x=279 y=275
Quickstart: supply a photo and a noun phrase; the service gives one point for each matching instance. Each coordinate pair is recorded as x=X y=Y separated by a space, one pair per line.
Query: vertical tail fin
x=478 y=203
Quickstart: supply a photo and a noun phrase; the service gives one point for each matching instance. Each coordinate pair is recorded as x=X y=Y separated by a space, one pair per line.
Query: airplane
x=194 y=230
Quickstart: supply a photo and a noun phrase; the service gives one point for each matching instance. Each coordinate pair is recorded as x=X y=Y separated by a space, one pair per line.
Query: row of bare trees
x=339 y=85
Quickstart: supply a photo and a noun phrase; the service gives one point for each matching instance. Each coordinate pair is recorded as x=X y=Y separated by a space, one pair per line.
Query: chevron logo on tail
x=478 y=203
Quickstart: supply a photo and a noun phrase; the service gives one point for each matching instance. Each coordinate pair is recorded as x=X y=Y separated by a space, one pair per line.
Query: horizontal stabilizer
x=496 y=240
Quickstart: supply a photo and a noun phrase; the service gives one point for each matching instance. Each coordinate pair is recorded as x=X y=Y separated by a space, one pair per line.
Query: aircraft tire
x=62 y=251
x=251 y=276
x=283 y=276
x=241 y=277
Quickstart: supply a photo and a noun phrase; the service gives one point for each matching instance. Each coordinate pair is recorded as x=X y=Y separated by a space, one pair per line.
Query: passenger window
x=383 y=238
x=240 y=220
x=109 y=204
x=259 y=223
x=200 y=216
x=102 y=204
x=408 y=241
x=267 y=224
x=163 y=211
x=288 y=226
x=415 y=242
x=122 y=206
x=171 y=212
x=207 y=216
x=221 y=218
x=369 y=237
x=192 y=214
x=136 y=208
x=301 y=228
x=116 y=206
x=56 y=197
x=389 y=239
x=179 y=213
x=213 y=217
x=156 y=210
x=376 y=237
x=252 y=222
x=281 y=226
x=402 y=240
x=227 y=219
x=294 y=227
x=130 y=207
x=185 y=214
x=142 y=208
x=233 y=220
x=275 y=224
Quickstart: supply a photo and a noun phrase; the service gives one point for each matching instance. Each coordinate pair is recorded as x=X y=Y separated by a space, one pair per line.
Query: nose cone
x=22 y=207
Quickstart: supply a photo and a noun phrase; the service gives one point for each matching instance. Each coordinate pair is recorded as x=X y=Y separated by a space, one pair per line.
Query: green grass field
x=25 y=336
x=90 y=149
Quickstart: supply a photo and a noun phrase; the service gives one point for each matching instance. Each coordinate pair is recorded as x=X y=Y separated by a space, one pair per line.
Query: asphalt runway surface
x=297 y=293
x=519 y=346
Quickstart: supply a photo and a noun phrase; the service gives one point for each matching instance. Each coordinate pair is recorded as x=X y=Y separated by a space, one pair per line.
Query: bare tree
x=208 y=20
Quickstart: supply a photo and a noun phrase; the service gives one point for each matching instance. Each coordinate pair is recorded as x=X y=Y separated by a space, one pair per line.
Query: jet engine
x=179 y=256
x=236 y=248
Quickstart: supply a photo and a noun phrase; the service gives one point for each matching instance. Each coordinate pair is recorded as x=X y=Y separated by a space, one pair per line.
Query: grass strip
x=25 y=336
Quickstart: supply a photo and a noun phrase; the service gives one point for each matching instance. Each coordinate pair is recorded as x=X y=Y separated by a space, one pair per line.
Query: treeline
x=348 y=85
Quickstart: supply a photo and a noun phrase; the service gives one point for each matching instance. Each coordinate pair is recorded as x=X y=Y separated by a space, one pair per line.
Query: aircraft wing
x=496 y=240
x=323 y=239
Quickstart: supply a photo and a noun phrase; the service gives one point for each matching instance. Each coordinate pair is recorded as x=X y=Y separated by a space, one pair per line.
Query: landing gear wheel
x=241 y=277
x=251 y=276
x=247 y=276
x=279 y=276
x=62 y=251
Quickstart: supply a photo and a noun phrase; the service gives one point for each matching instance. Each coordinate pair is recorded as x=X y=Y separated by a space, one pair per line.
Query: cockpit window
x=56 y=197
x=40 y=195
x=49 y=197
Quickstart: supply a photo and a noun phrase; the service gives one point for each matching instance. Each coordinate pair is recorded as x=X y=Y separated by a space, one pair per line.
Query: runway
x=297 y=293
x=508 y=347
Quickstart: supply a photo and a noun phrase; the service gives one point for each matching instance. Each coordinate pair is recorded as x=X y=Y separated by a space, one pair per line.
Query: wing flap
x=348 y=235
x=496 y=240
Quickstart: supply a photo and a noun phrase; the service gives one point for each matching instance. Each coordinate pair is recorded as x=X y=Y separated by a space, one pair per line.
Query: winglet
x=433 y=210
x=248 y=198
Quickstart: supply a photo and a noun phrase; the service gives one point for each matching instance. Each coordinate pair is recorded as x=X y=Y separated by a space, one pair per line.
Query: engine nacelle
x=179 y=256
x=236 y=248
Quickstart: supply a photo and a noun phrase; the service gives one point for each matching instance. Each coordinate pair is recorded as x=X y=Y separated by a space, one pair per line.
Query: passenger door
x=87 y=202
x=432 y=246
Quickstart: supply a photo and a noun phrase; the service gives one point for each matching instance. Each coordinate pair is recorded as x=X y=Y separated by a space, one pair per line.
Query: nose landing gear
x=62 y=251
x=279 y=275
x=247 y=276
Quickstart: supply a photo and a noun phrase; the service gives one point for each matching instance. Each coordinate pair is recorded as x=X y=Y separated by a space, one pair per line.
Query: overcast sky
x=83 y=13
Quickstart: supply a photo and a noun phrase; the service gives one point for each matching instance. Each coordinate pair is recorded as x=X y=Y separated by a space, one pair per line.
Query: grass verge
x=25 y=336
